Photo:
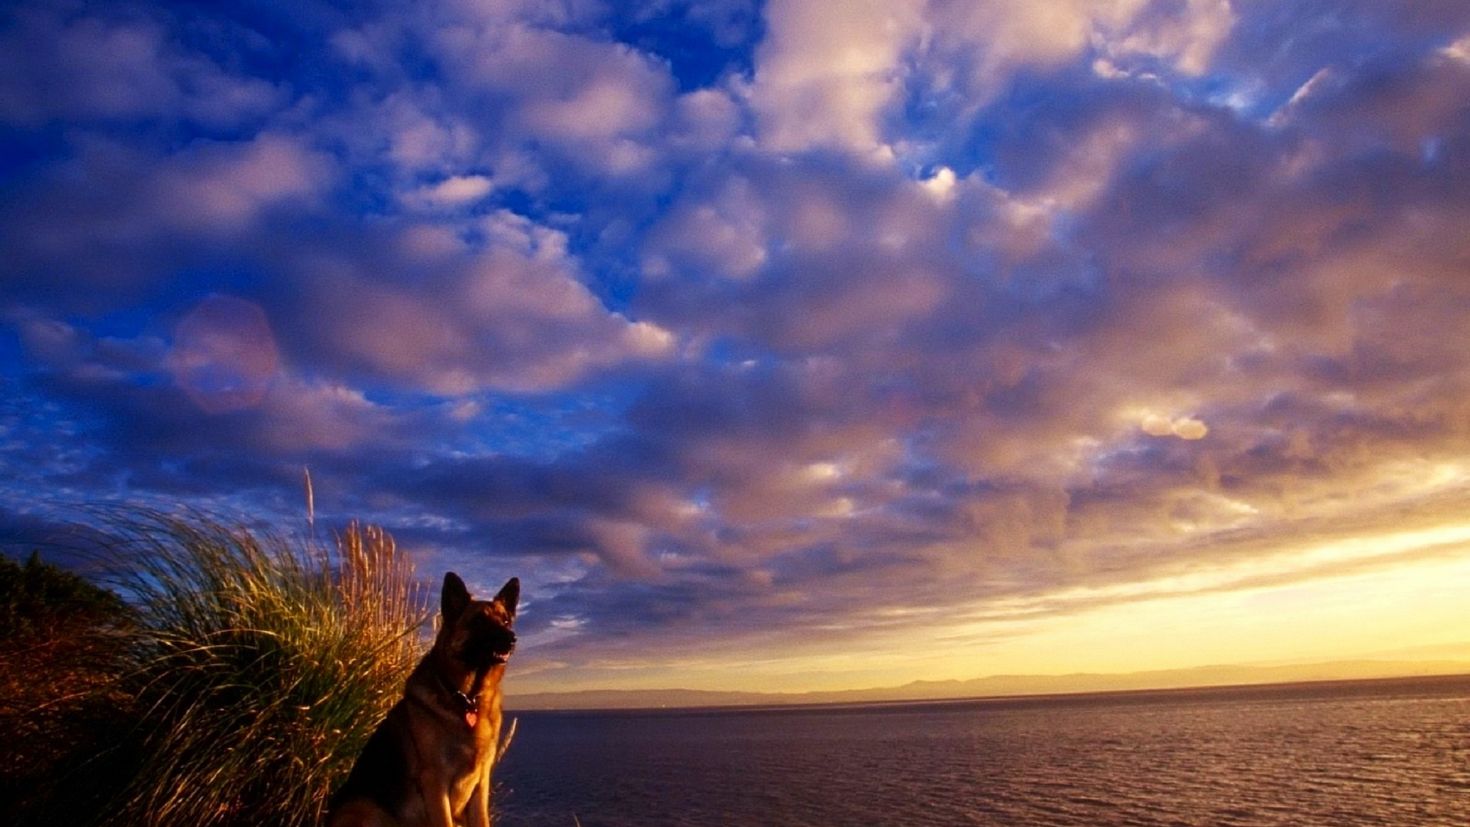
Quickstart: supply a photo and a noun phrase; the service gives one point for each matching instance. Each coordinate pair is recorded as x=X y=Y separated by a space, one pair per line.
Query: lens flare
x=224 y=354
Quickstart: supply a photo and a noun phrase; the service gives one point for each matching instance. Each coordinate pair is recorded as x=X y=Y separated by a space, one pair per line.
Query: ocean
x=1351 y=753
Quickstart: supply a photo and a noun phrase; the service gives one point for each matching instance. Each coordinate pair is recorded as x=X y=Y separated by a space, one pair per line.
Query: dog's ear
x=510 y=594
x=453 y=597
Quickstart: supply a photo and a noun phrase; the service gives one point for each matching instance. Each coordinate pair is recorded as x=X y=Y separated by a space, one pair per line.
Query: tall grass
x=262 y=664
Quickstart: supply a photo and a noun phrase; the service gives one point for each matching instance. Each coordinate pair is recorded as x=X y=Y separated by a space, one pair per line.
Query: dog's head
x=478 y=633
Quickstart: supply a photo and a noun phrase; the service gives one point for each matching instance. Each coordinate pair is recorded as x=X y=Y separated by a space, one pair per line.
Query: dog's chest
x=464 y=762
x=459 y=755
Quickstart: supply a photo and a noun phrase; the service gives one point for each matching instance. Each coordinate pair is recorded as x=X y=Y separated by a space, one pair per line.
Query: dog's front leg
x=436 y=799
x=479 y=814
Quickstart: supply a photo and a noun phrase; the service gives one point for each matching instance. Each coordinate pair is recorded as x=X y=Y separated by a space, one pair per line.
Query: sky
x=774 y=345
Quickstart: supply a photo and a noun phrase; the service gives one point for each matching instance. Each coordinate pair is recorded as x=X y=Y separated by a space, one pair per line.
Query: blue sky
x=760 y=337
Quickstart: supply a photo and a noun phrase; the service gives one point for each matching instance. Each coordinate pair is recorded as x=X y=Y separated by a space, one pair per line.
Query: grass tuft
x=261 y=665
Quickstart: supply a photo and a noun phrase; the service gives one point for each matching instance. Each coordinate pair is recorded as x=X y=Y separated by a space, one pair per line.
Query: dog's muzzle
x=498 y=656
x=498 y=647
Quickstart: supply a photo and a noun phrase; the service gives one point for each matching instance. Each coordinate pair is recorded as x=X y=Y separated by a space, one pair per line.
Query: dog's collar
x=469 y=704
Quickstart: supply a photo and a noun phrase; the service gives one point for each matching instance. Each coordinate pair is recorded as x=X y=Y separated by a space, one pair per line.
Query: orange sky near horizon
x=1390 y=597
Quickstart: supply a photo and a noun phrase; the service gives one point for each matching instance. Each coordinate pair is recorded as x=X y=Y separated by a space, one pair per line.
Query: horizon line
x=1264 y=676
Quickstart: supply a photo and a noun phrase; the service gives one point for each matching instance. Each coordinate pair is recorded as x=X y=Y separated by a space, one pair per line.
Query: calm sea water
x=1391 y=753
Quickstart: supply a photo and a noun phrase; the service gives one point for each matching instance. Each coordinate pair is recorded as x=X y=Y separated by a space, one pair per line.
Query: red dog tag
x=471 y=718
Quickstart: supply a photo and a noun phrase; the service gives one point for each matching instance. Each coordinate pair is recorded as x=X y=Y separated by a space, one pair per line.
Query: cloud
x=221 y=187
x=724 y=235
x=799 y=257
x=454 y=191
x=1459 y=50
x=1184 y=427
x=113 y=216
x=1186 y=38
x=824 y=81
x=597 y=103
x=510 y=315
x=63 y=66
x=983 y=310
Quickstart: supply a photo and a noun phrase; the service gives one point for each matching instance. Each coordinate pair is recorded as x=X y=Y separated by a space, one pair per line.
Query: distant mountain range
x=995 y=686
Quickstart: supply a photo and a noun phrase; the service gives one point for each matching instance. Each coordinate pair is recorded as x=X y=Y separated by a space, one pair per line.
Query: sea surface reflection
x=1380 y=752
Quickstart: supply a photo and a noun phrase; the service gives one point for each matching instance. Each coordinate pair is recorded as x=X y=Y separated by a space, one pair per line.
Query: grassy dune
x=237 y=687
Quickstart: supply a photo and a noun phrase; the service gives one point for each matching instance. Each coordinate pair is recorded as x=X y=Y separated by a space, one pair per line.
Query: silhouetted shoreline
x=696 y=700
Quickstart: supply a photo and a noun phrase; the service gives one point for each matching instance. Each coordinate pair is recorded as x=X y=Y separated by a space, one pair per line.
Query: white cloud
x=994 y=38
x=724 y=236
x=824 y=76
x=1186 y=39
x=605 y=106
x=940 y=184
x=302 y=415
x=420 y=140
x=1459 y=50
x=647 y=339
x=511 y=316
x=832 y=79
x=455 y=191
x=705 y=120
x=1183 y=427
x=601 y=106
x=1314 y=85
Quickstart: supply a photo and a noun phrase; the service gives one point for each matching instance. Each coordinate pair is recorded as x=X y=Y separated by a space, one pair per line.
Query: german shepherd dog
x=428 y=764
